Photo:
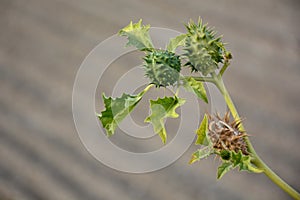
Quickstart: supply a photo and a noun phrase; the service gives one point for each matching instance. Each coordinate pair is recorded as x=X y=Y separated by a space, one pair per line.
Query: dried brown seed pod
x=225 y=134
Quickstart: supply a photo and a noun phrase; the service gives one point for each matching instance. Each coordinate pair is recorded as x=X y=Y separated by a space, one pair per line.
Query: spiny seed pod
x=203 y=50
x=226 y=136
x=162 y=67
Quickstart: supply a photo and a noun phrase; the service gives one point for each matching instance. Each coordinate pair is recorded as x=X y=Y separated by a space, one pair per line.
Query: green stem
x=203 y=79
x=257 y=160
x=226 y=64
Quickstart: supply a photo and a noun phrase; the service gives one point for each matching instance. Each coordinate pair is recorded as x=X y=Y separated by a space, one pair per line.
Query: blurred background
x=42 y=44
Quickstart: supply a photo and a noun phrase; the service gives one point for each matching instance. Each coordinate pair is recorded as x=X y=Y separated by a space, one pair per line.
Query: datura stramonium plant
x=206 y=56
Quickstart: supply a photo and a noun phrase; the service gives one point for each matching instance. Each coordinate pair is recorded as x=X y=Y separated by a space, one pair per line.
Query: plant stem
x=226 y=64
x=257 y=161
x=203 y=79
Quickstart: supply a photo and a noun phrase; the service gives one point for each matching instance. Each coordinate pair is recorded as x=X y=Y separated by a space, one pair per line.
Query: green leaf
x=243 y=162
x=138 y=35
x=160 y=110
x=223 y=169
x=176 y=42
x=201 y=153
x=191 y=85
x=117 y=109
x=248 y=166
x=236 y=158
x=202 y=131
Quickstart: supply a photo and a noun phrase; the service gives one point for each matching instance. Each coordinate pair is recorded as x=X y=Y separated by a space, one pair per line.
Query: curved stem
x=226 y=64
x=257 y=160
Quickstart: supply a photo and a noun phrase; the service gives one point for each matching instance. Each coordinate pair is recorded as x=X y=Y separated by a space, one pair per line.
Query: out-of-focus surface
x=42 y=44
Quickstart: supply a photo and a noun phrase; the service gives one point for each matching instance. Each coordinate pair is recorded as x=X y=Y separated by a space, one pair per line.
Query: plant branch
x=257 y=160
x=203 y=79
x=223 y=69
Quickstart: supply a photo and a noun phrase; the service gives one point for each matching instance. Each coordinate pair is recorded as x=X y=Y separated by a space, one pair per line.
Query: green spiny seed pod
x=162 y=67
x=203 y=50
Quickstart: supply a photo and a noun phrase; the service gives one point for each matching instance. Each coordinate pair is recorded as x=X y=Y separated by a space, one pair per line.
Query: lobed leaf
x=117 y=109
x=138 y=35
x=244 y=162
x=202 y=131
x=237 y=159
x=191 y=85
x=201 y=153
x=160 y=110
x=223 y=169
x=176 y=42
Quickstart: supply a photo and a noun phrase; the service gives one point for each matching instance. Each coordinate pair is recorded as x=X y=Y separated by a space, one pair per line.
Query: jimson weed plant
x=206 y=56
